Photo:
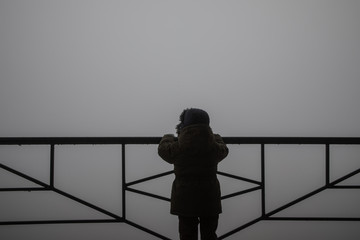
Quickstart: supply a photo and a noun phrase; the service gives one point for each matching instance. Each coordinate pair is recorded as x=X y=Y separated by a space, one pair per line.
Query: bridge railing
x=260 y=185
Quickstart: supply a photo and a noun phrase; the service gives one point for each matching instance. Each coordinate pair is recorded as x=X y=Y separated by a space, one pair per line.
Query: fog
x=128 y=68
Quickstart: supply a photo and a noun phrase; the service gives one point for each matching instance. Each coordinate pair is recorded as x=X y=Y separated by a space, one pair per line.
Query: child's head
x=192 y=116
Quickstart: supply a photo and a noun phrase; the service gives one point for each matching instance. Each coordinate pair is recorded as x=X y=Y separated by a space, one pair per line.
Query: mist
x=128 y=68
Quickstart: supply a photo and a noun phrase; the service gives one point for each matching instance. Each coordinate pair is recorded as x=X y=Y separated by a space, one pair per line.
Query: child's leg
x=188 y=228
x=208 y=226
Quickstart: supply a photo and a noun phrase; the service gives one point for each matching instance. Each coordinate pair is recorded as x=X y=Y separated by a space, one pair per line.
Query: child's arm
x=168 y=148
x=222 y=150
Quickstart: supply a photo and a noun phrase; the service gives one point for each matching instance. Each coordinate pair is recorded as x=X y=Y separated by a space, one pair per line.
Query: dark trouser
x=188 y=227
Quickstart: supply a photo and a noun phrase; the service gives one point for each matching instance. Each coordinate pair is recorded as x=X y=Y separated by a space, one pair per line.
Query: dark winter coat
x=195 y=155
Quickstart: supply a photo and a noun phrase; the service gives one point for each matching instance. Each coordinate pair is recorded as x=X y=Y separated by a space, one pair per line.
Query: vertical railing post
x=327 y=164
x=123 y=182
x=263 y=211
x=52 y=164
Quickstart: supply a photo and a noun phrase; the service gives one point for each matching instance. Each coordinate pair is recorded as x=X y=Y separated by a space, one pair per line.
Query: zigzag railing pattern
x=127 y=186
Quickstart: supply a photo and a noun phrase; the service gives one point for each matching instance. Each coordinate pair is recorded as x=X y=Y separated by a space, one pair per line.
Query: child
x=195 y=194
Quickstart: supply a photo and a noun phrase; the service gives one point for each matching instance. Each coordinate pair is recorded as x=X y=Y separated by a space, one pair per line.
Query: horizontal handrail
x=156 y=140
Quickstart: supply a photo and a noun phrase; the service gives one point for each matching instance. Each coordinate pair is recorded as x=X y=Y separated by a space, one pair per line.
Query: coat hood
x=191 y=116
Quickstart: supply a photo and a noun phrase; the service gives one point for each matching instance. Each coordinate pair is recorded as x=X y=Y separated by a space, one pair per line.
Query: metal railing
x=126 y=186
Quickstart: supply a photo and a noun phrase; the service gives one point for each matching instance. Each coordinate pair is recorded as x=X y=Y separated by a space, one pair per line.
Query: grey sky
x=116 y=68
x=128 y=68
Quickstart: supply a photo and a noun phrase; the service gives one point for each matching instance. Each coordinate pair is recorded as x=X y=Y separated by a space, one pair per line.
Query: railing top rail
x=156 y=140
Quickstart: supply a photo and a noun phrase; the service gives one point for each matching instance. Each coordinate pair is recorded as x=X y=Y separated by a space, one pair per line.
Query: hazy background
x=128 y=68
